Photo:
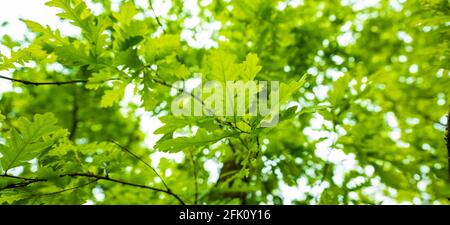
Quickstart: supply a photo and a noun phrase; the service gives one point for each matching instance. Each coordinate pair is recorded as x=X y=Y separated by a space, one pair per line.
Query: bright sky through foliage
x=366 y=128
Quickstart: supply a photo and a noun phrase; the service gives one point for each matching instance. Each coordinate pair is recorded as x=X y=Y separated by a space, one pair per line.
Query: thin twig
x=61 y=191
x=74 y=125
x=25 y=182
x=156 y=16
x=195 y=178
x=169 y=192
x=141 y=160
x=447 y=139
x=202 y=102
x=43 y=83
x=36 y=83
x=106 y=178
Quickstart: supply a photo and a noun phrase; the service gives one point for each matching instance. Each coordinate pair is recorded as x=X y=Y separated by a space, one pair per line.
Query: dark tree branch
x=61 y=191
x=43 y=83
x=36 y=83
x=28 y=181
x=169 y=192
x=25 y=181
x=21 y=178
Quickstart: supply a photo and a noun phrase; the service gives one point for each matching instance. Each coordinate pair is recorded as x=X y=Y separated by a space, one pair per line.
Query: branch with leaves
x=27 y=181
x=27 y=82
x=38 y=83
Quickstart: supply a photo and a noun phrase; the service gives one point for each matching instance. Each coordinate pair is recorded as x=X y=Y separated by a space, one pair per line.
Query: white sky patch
x=198 y=34
x=337 y=59
x=161 y=8
x=96 y=8
x=402 y=35
x=98 y=194
x=35 y=10
x=346 y=39
x=358 y=5
x=148 y=125
x=334 y=73
x=213 y=168
x=16 y=171
x=321 y=92
x=289 y=193
x=396 y=4
x=129 y=97
x=89 y=202
x=156 y=157
x=5 y=86
x=414 y=68
x=392 y=122
x=295 y=193
x=192 y=83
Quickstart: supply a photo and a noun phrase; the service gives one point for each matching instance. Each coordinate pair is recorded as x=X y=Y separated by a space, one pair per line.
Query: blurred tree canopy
x=364 y=92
